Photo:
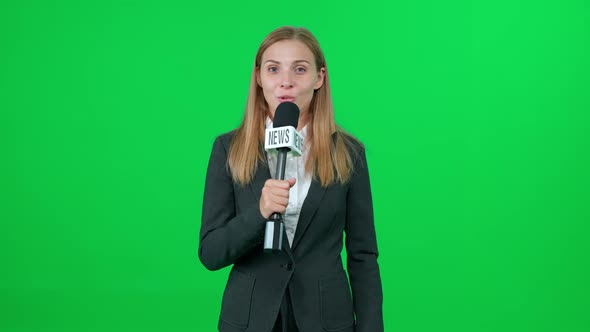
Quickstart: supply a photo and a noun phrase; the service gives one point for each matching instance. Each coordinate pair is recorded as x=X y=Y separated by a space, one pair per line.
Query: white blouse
x=295 y=168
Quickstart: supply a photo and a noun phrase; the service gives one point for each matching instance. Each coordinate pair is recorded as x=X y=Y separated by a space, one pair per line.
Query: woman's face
x=288 y=73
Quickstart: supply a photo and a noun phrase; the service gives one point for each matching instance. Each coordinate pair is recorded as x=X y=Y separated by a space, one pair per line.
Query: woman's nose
x=286 y=82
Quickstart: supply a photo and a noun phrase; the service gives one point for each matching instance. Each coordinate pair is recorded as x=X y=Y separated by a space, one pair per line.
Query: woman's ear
x=320 y=78
x=257 y=72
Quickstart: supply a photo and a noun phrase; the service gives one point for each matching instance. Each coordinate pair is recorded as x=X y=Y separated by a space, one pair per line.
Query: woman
x=305 y=288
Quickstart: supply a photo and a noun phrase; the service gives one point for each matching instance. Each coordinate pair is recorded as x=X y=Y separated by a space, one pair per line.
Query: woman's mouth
x=286 y=98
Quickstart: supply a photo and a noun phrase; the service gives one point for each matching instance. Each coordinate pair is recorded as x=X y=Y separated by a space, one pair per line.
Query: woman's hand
x=275 y=196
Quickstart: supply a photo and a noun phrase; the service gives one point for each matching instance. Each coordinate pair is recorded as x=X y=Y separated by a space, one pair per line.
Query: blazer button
x=289 y=267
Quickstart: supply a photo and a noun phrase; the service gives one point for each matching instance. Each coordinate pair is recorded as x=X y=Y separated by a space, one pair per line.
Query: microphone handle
x=281 y=163
x=273 y=234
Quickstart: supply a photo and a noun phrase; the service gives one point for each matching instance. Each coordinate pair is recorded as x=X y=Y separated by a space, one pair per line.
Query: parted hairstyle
x=329 y=158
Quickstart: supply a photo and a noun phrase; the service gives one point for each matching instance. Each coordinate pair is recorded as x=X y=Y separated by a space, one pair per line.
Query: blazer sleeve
x=225 y=236
x=362 y=253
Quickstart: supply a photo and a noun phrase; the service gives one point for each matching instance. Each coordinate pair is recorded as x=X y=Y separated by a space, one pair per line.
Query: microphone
x=283 y=138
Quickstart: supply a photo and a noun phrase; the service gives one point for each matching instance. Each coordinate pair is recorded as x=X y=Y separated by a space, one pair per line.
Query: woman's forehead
x=287 y=51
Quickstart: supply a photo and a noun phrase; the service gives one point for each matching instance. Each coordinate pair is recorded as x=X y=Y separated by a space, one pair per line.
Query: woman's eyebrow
x=278 y=62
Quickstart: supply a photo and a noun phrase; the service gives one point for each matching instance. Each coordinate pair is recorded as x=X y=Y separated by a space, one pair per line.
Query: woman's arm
x=225 y=236
x=362 y=253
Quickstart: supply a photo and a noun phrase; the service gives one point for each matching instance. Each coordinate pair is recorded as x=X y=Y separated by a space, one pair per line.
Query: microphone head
x=287 y=114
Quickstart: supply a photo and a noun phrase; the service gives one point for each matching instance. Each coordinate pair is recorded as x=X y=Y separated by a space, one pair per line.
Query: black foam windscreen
x=287 y=114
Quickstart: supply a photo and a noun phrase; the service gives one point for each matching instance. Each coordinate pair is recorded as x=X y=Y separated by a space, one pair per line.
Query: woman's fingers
x=275 y=196
x=291 y=182
x=280 y=192
x=284 y=184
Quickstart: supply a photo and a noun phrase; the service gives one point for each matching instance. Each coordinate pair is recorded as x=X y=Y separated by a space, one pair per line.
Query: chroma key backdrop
x=474 y=114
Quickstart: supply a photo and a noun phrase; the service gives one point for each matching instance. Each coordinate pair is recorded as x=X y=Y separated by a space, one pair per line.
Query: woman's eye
x=272 y=69
x=300 y=70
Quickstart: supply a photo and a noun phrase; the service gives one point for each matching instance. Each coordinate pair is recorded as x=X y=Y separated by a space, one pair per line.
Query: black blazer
x=232 y=232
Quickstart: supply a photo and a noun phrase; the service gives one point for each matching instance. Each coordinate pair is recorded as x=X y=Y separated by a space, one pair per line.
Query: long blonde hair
x=329 y=159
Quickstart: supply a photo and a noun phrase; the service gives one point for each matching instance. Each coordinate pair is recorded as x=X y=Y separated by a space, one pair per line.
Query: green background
x=474 y=115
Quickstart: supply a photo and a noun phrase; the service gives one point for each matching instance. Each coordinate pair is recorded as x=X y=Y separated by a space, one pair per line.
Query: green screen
x=474 y=115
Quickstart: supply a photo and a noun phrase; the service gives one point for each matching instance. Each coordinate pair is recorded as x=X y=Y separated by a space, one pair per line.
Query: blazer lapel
x=262 y=174
x=310 y=205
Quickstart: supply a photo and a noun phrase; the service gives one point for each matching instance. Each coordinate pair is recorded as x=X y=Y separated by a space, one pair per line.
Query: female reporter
x=327 y=193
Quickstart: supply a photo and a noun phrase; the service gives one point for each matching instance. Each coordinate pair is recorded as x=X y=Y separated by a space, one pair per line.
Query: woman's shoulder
x=353 y=144
x=226 y=138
